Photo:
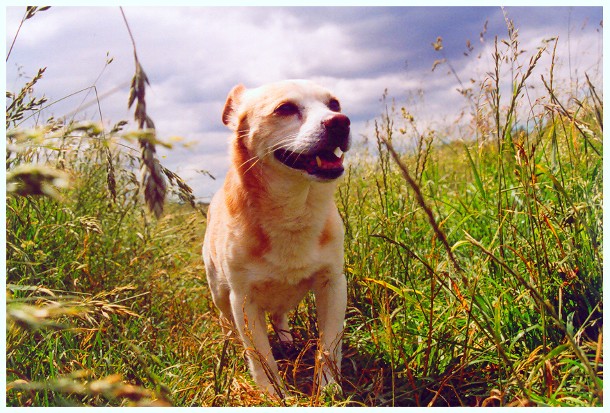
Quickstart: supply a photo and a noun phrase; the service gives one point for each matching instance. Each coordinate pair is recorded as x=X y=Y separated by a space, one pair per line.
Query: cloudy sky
x=193 y=56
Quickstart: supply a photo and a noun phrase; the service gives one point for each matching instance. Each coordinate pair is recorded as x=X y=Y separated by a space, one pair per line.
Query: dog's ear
x=229 y=115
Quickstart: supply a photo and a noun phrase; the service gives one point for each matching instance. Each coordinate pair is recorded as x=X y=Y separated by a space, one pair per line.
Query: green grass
x=474 y=267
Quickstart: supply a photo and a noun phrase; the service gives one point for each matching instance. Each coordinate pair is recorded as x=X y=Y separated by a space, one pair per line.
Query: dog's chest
x=295 y=256
x=277 y=296
x=287 y=272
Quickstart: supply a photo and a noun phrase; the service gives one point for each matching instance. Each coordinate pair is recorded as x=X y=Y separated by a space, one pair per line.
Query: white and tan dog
x=274 y=232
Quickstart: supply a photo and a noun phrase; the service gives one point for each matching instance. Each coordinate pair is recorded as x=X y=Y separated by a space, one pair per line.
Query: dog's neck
x=300 y=193
x=275 y=193
x=290 y=195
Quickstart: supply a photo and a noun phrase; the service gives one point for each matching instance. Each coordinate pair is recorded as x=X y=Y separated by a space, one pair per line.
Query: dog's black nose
x=337 y=128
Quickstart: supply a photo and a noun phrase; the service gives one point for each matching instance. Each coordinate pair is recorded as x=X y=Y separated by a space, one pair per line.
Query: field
x=474 y=264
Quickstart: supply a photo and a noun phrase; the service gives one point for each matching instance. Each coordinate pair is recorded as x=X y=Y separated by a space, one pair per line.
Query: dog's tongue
x=326 y=164
x=326 y=161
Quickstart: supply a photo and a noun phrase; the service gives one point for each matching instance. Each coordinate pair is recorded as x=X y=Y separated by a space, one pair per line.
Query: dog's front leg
x=331 y=302
x=250 y=322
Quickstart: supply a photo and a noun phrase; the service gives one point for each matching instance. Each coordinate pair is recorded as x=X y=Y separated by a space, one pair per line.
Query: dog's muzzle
x=325 y=160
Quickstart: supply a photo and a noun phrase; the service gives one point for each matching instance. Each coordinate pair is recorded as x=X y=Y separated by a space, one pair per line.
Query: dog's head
x=294 y=125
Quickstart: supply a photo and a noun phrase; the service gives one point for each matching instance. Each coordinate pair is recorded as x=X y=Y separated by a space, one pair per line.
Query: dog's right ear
x=229 y=114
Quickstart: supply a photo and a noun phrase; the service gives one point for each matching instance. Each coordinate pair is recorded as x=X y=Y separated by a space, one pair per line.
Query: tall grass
x=474 y=264
x=479 y=276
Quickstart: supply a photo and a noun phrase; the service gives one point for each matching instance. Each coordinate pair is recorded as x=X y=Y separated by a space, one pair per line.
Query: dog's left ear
x=229 y=114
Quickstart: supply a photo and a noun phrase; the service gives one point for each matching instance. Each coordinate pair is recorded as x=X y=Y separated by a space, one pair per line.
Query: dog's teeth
x=319 y=161
x=338 y=152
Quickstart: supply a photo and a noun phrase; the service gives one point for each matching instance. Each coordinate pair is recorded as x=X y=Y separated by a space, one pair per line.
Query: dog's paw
x=330 y=394
x=274 y=388
x=332 y=389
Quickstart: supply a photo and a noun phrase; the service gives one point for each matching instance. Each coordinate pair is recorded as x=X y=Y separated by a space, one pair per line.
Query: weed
x=464 y=276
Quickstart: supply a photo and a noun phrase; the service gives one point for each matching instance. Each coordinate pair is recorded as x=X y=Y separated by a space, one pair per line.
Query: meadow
x=474 y=261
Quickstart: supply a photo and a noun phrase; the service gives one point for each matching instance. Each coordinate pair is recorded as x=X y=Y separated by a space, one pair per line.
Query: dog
x=274 y=232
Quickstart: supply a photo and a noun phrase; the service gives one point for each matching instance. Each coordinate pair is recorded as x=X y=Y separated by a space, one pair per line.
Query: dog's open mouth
x=325 y=164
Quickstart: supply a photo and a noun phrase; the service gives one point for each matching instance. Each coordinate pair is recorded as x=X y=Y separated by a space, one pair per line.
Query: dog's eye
x=286 y=109
x=334 y=105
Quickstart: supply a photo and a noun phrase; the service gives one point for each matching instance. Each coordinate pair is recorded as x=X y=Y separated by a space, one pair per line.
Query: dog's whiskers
x=283 y=143
x=254 y=160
